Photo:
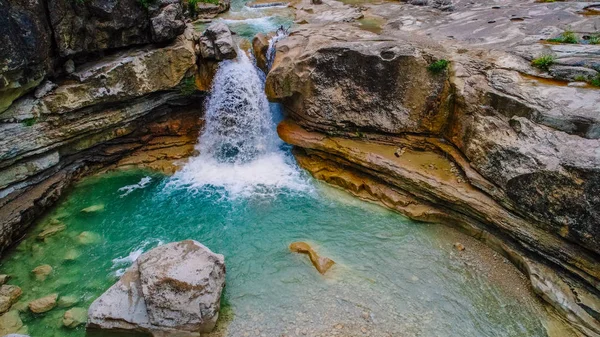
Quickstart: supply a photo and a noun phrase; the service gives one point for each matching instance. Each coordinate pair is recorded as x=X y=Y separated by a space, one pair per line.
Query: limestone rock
x=10 y=323
x=174 y=288
x=4 y=278
x=9 y=294
x=206 y=10
x=93 y=209
x=88 y=238
x=168 y=23
x=216 y=42
x=25 y=56
x=67 y=301
x=42 y=272
x=260 y=46
x=43 y=304
x=321 y=263
x=44 y=89
x=75 y=317
x=51 y=230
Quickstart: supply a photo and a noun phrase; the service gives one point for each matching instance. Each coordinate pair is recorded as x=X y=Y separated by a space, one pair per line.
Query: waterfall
x=281 y=33
x=240 y=152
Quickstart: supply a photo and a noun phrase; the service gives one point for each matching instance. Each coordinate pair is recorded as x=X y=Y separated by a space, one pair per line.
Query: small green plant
x=594 y=39
x=544 y=62
x=568 y=36
x=29 y=121
x=595 y=81
x=144 y=3
x=438 y=66
x=188 y=86
x=580 y=78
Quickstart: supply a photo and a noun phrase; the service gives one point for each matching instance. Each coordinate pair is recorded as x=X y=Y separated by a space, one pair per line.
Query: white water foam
x=130 y=188
x=240 y=151
x=123 y=262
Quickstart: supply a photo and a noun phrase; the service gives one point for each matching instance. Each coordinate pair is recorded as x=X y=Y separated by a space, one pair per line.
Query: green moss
x=438 y=66
x=188 y=86
x=544 y=62
x=29 y=121
x=568 y=36
x=580 y=78
x=594 y=39
x=595 y=81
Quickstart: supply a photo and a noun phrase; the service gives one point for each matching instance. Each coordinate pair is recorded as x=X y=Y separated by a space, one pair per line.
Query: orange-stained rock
x=321 y=263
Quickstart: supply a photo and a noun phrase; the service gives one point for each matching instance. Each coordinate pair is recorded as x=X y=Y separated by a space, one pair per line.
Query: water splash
x=130 y=188
x=281 y=33
x=240 y=151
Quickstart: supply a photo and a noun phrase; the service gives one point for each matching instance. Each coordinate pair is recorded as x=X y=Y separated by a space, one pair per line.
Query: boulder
x=175 y=288
x=42 y=272
x=4 y=278
x=75 y=317
x=216 y=43
x=168 y=23
x=43 y=304
x=25 y=56
x=321 y=263
x=260 y=46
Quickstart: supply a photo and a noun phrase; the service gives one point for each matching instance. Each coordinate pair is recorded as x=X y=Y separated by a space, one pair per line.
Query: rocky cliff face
x=114 y=87
x=485 y=144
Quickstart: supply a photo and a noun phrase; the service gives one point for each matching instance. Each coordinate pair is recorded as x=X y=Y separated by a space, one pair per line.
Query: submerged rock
x=42 y=272
x=72 y=255
x=93 y=208
x=67 y=301
x=321 y=263
x=49 y=231
x=43 y=304
x=4 y=278
x=88 y=238
x=75 y=317
x=172 y=289
x=10 y=323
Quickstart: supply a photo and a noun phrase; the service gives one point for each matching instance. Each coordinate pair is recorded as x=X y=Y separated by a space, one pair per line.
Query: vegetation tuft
x=544 y=62
x=594 y=39
x=568 y=36
x=29 y=121
x=145 y=3
x=595 y=81
x=188 y=86
x=438 y=66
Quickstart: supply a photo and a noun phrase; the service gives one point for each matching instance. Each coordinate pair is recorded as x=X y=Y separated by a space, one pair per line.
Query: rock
x=44 y=89
x=51 y=230
x=43 y=304
x=459 y=246
x=260 y=46
x=9 y=294
x=174 y=288
x=10 y=323
x=75 y=317
x=168 y=23
x=570 y=73
x=69 y=66
x=42 y=272
x=72 y=255
x=25 y=56
x=216 y=42
x=207 y=10
x=321 y=263
x=375 y=85
x=20 y=306
x=93 y=209
x=4 y=278
x=88 y=238
x=67 y=301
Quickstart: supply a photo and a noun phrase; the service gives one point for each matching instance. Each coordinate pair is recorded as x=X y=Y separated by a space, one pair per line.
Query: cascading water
x=240 y=151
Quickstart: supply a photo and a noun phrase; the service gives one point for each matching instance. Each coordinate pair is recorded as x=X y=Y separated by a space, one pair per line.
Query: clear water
x=244 y=197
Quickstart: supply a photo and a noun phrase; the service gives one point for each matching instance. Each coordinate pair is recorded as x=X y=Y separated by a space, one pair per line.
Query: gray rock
x=44 y=89
x=168 y=23
x=69 y=66
x=216 y=42
x=174 y=288
x=570 y=73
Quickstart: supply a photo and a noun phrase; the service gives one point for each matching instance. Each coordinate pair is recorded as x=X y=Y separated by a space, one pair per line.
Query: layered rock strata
x=481 y=145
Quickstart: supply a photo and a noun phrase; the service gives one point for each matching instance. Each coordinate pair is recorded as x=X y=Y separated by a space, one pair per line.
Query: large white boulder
x=174 y=289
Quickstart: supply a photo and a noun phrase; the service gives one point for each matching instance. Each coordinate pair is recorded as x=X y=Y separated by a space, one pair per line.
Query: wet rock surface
x=216 y=43
x=321 y=263
x=175 y=288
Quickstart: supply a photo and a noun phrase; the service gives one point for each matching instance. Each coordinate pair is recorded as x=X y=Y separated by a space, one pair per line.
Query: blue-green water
x=392 y=275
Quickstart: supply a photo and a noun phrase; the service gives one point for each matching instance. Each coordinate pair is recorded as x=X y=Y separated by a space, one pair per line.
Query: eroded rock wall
x=480 y=147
